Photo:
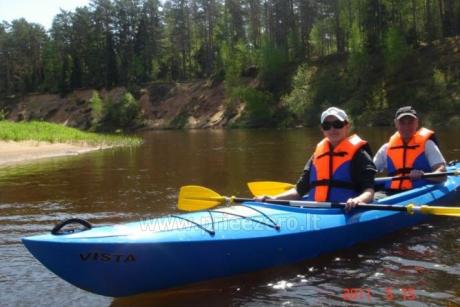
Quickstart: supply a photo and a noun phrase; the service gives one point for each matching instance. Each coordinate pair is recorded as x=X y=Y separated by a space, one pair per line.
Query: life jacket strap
x=401 y=171
x=333 y=183
x=405 y=147
x=331 y=153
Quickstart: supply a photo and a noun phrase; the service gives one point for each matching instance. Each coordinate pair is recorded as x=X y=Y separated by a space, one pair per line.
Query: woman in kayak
x=410 y=151
x=340 y=169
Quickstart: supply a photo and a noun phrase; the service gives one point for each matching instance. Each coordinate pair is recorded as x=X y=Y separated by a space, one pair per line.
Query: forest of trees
x=129 y=42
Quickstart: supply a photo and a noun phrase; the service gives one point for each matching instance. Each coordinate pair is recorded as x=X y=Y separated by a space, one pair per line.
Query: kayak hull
x=170 y=251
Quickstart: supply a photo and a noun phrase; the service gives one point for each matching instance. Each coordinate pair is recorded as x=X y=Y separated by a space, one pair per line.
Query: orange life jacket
x=402 y=158
x=330 y=174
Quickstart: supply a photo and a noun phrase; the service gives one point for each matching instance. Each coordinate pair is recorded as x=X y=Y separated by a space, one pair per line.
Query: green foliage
x=396 y=50
x=321 y=37
x=3 y=114
x=358 y=58
x=259 y=110
x=180 y=120
x=447 y=103
x=126 y=43
x=273 y=66
x=315 y=88
x=55 y=133
x=122 y=115
x=301 y=100
x=234 y=60
x=155 y=66
x=110 y=116
x=440 y=80
x=259 y=104
x=97 y=109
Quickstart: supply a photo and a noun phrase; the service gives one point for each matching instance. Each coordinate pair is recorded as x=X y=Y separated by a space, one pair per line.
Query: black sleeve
x=303 y=184
x=363 y=170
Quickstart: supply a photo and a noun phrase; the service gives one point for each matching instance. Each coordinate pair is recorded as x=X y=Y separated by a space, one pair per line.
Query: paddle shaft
x=194 y=198
x=260 y=188
x=427 y=175
x=315 y=204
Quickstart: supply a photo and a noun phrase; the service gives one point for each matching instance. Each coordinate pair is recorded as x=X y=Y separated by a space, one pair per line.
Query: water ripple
x=406 y=263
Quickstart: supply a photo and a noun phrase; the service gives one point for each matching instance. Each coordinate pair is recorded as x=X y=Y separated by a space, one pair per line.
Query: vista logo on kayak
x=107 y=257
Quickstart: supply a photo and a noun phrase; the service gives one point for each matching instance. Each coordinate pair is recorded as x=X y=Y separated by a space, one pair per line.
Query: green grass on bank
x=55 y=133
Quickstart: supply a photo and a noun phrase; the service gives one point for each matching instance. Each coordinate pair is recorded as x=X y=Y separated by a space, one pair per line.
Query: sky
x=37 y=11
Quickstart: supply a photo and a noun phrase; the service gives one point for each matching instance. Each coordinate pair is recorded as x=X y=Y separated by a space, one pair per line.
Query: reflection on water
x=125 y=184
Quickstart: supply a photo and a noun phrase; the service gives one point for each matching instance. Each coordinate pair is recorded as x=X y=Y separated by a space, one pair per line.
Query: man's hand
x=416 y=174
x=262 y=198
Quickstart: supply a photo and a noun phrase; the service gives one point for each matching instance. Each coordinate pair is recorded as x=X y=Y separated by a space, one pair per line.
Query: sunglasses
x=337 y=124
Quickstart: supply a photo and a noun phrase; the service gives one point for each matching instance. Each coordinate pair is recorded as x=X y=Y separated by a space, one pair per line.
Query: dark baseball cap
x=405 y=111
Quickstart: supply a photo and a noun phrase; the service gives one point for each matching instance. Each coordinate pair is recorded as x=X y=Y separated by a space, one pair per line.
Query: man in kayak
x=340 y=169
x=409 y=152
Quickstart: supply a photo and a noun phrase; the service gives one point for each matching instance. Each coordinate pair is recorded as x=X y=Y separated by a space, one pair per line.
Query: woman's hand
x=352 y=203
x=364 y=198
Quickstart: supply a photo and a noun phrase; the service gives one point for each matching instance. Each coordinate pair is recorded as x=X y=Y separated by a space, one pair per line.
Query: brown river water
x=419 y=266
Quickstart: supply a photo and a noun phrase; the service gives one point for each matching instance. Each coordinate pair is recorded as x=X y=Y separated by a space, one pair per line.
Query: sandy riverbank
x=19 y=152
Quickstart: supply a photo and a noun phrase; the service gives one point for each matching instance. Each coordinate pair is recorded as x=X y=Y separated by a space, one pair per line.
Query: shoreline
x=22 y=152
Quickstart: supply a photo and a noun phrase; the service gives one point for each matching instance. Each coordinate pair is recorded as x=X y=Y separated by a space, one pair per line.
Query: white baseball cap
x=336 y=112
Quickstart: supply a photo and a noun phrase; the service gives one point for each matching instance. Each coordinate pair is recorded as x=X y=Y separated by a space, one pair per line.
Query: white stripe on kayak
x=309 y=204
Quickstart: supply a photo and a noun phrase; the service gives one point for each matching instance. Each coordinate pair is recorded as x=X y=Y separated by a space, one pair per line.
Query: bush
x=446 y=101
x=316 y=88
x=274 y=67
x=358 y=60
x=111 y=116
x=125 y=114
x=396 y=50
x=96 y=110
x=301 y=99
x=259 y=110
x=234 y=60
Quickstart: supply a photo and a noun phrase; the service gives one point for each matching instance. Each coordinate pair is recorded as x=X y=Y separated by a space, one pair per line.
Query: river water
x=420 y=265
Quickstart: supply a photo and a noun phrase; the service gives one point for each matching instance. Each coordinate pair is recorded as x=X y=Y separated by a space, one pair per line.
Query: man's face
x=407 y=126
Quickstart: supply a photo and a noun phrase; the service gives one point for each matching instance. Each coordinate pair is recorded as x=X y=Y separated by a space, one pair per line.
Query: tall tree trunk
x=340 y=40
x=429 y=22
x=446 y=11
x=9 y=89
x=414 y=22
x=306 y=16
x=254 y=22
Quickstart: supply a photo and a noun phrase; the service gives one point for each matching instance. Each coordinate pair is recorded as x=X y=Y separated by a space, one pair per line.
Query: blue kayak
x=175 y=250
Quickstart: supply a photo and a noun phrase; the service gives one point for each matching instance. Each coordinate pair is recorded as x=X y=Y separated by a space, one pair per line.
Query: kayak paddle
x=270 y=188
x=193 y=198
x=427 y=175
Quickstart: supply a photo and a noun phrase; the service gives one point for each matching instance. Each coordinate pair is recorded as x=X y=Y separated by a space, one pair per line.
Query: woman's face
x=334 y=135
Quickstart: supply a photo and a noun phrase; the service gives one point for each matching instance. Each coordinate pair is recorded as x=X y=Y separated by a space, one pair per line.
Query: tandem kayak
x=175 y=250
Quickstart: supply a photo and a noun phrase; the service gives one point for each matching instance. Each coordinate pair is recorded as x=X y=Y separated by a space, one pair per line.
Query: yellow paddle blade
x=449 y=211
x=193 y=198
x=268 y=188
